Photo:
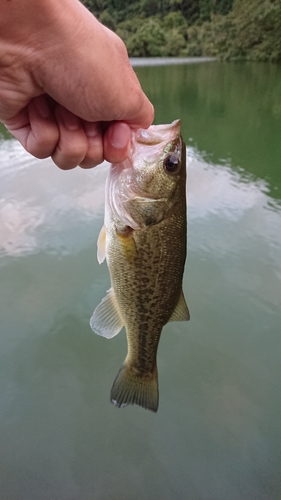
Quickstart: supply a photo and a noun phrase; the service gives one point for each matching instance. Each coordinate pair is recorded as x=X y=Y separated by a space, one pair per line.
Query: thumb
x=116 y=142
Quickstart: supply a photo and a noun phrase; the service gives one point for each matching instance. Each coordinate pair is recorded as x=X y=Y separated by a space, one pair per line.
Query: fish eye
x=171 y=164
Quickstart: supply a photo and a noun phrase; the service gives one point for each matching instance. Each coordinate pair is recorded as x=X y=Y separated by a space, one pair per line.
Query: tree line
x=227 y=29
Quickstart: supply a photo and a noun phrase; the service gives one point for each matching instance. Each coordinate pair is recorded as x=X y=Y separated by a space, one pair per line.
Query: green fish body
x=144 y=243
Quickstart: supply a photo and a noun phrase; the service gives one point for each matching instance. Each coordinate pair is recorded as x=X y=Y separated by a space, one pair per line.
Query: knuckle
x=67 y=159
x=62 y=162
x=70 y=151
x=95 y=153
x=91 y=162
x=43 y=145
x=92 y=159
x=39 y=151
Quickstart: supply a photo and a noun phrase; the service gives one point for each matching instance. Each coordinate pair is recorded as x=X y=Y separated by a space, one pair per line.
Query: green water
x=216 y=435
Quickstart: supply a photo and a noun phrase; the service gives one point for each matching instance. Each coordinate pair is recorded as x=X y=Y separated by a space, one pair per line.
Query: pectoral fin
x=106 y=319
x=181 y=312
x=101 y=243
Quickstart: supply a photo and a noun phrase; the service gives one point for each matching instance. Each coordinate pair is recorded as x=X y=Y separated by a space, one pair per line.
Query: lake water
x=216 y=435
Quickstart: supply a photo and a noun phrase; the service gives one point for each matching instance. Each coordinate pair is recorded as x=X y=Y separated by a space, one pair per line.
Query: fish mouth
x=156 y=134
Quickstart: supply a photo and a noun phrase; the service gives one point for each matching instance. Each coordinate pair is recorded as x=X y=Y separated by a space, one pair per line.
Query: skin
x=67 y=89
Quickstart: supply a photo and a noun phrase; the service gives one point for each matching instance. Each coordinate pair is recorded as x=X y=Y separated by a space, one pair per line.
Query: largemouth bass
x=144 y=242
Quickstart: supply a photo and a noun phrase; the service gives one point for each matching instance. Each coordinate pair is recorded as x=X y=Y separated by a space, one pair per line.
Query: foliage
x=148 y=40
x=250 y=31
x=258 y=26
x=108 y=20
x=154 y=37
x=174 y=20
x=228 y=29
x=95 y=6
x=175 y=43
x=192 y=10
x=209 y=7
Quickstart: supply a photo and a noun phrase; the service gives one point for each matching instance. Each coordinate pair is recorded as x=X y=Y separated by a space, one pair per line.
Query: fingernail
x=42 y=107
x=120 y=135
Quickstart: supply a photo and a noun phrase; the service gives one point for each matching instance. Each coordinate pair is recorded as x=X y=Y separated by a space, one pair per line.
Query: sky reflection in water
x=38 y=200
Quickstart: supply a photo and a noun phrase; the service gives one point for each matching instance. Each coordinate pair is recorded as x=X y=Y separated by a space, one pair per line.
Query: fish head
x=146 y=185
x=158 y=160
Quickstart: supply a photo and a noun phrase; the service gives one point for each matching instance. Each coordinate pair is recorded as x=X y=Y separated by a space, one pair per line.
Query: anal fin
x=181 y=312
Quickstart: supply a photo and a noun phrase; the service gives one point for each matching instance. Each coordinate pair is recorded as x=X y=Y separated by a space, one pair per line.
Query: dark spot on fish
x=150 y=220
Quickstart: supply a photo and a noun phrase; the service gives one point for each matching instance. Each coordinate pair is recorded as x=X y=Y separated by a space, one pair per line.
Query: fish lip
x=155 y=134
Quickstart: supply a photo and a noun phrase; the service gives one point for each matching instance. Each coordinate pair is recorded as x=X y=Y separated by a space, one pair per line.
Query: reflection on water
x=217 y=432
x=230 y=111
x=34 y=204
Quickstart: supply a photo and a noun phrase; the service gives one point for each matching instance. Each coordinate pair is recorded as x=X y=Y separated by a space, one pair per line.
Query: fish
x=143 y=240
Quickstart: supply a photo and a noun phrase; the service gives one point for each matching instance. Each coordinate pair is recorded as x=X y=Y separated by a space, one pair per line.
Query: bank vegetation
x=227 y=29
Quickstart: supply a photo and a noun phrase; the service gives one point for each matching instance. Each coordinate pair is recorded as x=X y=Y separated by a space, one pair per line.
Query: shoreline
x=166 y=61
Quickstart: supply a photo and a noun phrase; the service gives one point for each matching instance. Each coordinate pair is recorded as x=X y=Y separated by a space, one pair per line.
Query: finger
x=142 y=115
x=94 y=155
x=117 y=141
x=35 y=128
x=44 y=134
x=73 y=144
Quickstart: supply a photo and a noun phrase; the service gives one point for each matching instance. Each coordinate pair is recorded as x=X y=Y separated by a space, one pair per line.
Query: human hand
x=67 y=89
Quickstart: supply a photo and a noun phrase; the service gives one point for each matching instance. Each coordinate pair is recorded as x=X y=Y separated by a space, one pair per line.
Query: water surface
x=216 y=435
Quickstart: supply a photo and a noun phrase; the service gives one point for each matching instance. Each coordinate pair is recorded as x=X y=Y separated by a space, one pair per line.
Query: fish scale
x=144 y=242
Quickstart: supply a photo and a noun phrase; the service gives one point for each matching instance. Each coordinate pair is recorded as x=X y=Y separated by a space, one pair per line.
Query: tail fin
x=129 y=389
